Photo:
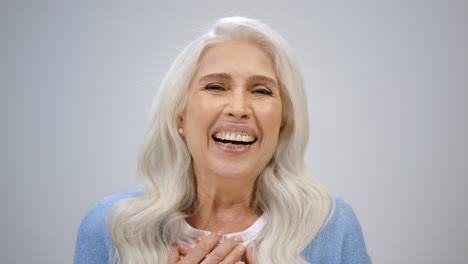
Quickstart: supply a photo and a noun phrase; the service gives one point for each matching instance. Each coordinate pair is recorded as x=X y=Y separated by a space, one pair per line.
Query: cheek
x=199 y=113
x=271 y=117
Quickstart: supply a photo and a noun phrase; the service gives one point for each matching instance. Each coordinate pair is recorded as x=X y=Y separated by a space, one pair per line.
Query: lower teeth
x=234 y=146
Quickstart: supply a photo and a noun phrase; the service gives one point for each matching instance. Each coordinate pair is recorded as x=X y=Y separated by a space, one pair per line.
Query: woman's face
x=233 y=115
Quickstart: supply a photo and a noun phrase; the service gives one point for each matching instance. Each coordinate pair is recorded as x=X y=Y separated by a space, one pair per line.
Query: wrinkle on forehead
x=212 y=64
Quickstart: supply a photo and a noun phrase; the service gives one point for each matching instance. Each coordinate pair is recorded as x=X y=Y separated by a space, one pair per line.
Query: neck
x=224 y=204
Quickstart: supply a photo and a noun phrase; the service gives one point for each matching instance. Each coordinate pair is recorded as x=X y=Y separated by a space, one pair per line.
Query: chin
x=234 y=171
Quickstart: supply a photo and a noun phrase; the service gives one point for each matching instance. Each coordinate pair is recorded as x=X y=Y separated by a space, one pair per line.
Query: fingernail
x=219 y=233
x=237 y=238
x=251 y=245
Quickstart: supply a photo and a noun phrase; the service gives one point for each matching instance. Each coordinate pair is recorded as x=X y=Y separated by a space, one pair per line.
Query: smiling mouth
x=234 y=139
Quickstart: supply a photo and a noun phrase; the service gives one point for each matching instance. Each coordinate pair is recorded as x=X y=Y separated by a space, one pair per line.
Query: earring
x=181 y=131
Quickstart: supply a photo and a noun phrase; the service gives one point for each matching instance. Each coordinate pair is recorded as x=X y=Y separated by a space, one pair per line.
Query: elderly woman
x=223 y=167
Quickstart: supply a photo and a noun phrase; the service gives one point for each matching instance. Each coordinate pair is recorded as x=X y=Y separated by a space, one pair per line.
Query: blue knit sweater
x=340 y=242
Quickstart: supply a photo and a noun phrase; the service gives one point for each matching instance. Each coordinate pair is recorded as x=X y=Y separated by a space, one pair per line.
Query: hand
x=249 y=252
x=207 y=251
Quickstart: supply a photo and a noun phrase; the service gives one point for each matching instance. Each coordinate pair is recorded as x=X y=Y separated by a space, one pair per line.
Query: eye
x=262 y=91
x=215 y=87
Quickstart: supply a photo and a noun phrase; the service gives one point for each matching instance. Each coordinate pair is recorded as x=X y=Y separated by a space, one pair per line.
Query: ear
x=180 y=120
x=283 y=125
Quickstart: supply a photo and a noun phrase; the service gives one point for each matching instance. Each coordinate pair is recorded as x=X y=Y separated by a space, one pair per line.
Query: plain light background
x=387 y=91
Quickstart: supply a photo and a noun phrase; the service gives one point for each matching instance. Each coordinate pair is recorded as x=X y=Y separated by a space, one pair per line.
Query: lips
x=237 y=138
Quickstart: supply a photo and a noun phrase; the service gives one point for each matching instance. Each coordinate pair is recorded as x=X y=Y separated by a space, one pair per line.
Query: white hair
x=296 y=206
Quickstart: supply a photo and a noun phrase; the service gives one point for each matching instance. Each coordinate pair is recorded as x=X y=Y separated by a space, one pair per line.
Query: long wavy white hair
x=296 y=207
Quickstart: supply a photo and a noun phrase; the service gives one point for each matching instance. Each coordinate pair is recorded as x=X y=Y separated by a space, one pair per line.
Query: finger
x=235 y=255
x=184 y=249
x=240 y=262
x=250 y=254
x=174 y=257
x=230 y=251
x=199 y=252
x=198 y=239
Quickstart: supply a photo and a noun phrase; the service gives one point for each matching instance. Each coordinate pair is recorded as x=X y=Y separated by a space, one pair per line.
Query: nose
x=238 y=105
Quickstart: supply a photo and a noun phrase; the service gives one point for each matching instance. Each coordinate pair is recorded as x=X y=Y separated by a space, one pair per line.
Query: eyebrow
x=222 y=76
x=227 y=77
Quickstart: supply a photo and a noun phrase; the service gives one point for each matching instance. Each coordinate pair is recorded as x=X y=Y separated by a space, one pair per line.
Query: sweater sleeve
x=353 y=247
x=341 y=241
x=93 y=242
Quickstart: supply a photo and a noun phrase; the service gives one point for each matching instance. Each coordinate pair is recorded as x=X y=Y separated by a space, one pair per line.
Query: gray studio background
x=387 y=86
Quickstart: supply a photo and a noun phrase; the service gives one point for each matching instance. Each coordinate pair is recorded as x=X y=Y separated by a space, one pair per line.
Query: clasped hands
x=209 y=251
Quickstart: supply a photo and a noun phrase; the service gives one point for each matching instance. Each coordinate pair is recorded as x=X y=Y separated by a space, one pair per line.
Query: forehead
x=237 y=58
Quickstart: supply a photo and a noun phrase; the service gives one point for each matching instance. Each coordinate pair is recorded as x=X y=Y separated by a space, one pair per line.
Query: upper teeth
x=234 y=137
